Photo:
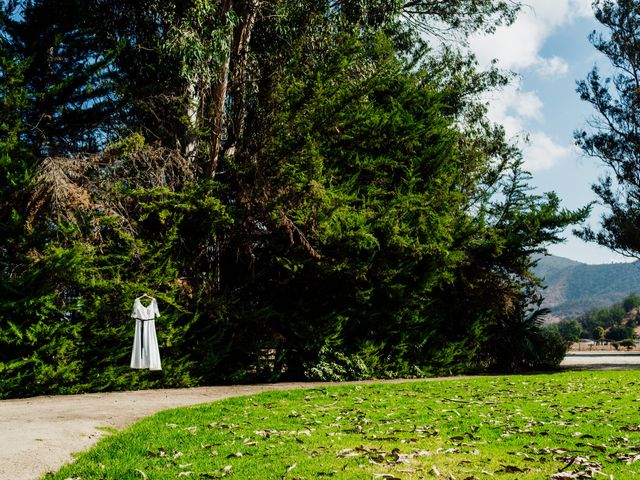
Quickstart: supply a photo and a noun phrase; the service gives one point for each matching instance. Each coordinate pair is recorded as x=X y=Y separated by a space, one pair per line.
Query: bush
x=552 y=349
x=333 y=366
x=619 y=333
x=570 y=330
x=628 y=343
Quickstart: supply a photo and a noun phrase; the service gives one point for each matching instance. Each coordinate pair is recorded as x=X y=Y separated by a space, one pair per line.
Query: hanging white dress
x=145 y=352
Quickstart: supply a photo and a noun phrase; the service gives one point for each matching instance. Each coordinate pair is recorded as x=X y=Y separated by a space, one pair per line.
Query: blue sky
x=549 y=50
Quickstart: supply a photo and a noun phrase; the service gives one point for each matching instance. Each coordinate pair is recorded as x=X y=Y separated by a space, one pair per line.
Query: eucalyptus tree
x=288 y=176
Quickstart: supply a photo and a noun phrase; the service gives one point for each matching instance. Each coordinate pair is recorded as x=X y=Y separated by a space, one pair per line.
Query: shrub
x=619 y=333
x=628 y=343
x=333 y=366
x=551 y=349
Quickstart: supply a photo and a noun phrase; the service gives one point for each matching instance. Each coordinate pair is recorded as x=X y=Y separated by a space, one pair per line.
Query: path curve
x=40 y=434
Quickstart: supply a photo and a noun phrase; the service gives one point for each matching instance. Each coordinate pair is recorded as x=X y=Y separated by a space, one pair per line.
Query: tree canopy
x=612 y=136
x=307 y=188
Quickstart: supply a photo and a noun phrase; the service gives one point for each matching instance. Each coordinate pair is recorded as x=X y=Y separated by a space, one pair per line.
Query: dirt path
x=39 y=434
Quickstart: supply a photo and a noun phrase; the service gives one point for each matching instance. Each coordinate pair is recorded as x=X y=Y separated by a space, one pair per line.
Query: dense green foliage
x=613 y=136
x=572 y=425
x=308 y=190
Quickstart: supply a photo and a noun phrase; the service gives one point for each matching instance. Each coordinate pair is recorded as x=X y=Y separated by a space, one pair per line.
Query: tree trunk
x=232 y=82
x=193 y=106
x=219 y=95
x=239 y=68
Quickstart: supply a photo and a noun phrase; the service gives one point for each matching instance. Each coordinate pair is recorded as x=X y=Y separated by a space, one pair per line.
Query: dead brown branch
x=67 y=188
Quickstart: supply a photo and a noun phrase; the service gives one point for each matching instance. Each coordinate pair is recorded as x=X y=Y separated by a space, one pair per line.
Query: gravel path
x=39 y=434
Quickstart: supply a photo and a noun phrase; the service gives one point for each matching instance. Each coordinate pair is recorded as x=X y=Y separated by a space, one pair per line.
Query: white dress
x=145 y=352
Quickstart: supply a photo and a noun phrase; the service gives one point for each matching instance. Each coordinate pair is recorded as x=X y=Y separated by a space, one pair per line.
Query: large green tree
x=613 y=136
x=297 y=182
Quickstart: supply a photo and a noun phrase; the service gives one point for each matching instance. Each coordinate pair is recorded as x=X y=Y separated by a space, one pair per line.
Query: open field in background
x=568 y=425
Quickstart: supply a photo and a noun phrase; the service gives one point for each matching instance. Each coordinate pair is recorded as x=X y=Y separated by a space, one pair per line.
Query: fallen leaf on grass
x=581 y=461
x=348 y=453
x=289 y=468
x=511 y=469
x=600 y=448
x=579 y=475
x=581 y=435
x=631 y=428
x=161 y=453
x=448 y=450
x=624 y=440
x=452 y=411
x=268 y=433
x=627 y=458
x=427 y=431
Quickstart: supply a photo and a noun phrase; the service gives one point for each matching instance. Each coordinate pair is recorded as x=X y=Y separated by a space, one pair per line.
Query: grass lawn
x=524 y=427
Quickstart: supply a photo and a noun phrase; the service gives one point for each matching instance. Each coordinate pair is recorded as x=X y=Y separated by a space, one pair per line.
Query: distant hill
x=574 y=287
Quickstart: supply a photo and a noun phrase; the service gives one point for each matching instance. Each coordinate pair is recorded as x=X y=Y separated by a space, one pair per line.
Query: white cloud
x=581 y=8
x=542 y=152
x=529 y=105
x=518 y=48
x=552 y=67
x=513 y=108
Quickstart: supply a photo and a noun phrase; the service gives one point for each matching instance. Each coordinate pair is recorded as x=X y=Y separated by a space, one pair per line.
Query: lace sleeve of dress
x=156 y=312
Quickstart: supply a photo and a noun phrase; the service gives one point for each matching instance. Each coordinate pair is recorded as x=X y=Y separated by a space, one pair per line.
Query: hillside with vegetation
x=617 y=323
x=573 y=288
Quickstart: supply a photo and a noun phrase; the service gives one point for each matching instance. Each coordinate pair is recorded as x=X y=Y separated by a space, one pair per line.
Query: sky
x=548 y=48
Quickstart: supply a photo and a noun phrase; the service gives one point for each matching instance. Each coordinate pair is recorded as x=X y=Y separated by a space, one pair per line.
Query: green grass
x=520 y=427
